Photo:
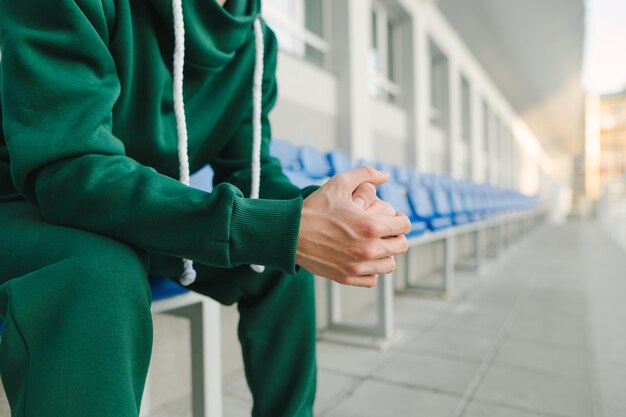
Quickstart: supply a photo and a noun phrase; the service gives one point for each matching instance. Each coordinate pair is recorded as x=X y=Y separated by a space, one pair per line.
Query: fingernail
x=359 y=202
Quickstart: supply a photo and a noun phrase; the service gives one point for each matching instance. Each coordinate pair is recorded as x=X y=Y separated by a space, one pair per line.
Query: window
x=383 y=55
x=466 y=110
x=438 y=86
x=300 y=27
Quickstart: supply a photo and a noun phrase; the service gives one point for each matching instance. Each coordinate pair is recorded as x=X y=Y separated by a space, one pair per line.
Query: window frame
x=382 y=84
x=466 y=109
x=302 y=37
x=439 y=101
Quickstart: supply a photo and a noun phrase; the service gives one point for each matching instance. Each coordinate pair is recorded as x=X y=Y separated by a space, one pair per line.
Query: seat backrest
x=441 y=201
x=403 y=174
x=300 y=179
x=286 y=153
x=339 y=161
x=314 y=162
x=456 y=202
x=421 y=202
x=202 y=179
x=397 y=196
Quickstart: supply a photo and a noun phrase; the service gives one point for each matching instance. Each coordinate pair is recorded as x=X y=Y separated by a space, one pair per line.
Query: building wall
x=331 y=105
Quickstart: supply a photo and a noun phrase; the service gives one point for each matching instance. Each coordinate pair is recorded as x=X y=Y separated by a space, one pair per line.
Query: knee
x=114 y=268
x=111 y=271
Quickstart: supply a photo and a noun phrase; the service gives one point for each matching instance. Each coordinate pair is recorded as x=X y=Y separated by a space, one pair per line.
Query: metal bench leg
x=479 y=237
x=385 y=307
x=206 y=358
x=448 y=267
x=379 y=334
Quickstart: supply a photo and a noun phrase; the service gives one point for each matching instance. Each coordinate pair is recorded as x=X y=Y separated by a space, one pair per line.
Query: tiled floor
x=515 y=342
x=539 y=334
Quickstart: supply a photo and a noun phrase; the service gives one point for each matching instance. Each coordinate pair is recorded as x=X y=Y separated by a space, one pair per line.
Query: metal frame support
x=448 y=268
x=206 y=352
x=380 y=334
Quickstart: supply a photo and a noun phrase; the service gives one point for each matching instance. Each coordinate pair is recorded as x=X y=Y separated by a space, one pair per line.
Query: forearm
x=117 y=197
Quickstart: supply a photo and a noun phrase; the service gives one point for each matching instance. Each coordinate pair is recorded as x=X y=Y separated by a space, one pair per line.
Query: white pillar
x=351 y=43
x=454 y=118
x=475 y=146
x=421 y=92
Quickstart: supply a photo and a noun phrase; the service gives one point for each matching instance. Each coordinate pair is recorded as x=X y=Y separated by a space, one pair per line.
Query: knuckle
x=338 y=180
x=370 y=229
x=368 y=170
x=367 y=252
x=340 y=277
x=369 y=187
x=352 y=269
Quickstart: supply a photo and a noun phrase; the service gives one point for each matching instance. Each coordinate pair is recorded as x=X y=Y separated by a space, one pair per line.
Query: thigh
x=29 y=243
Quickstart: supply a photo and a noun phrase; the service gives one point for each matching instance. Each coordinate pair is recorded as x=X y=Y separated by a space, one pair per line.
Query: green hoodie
x=89 y=134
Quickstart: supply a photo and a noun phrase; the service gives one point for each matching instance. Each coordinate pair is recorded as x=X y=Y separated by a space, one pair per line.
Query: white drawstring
x=189 y=274
x=257 y=97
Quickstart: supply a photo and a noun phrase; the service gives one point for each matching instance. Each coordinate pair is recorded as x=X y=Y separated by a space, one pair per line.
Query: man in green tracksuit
x=97 y=126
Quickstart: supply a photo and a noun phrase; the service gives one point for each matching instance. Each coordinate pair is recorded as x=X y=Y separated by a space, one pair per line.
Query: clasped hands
x=347 y=234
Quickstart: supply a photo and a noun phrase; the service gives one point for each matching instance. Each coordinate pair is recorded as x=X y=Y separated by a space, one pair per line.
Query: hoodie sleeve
x=59 y=86
x=233 y=165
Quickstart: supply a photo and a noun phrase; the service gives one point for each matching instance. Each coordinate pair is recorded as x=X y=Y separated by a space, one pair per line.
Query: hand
x=365 y=197
x=345 y=240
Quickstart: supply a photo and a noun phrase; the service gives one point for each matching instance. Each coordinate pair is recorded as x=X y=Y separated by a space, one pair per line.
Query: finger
x=386 y=226
x=395 y=245
x=364 y=195
x=381 y=207
x=364 y=281
x=375 y=267
x=348 y=181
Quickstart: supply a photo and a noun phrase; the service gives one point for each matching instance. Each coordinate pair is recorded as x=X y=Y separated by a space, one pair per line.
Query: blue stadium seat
x=339 y=162
x=202 y=179
x=299 y=178
x=460 y=214
x=441 y=202
x=422 y=205
x=164 y=288
x=396 y=195
x=403 y=174
x=314 y=162
x=286 y=153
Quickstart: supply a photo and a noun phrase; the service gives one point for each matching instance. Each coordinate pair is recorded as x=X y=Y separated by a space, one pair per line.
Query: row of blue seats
x=432 y=201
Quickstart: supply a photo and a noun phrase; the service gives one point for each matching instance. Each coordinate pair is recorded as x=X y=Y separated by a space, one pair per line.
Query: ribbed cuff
x=307 y=191
x=265 y=232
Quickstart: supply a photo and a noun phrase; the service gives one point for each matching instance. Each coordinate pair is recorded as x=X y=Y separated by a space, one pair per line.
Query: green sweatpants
x=78 y=328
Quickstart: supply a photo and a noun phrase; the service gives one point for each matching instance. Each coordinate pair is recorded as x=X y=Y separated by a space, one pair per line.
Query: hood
x=212 y=33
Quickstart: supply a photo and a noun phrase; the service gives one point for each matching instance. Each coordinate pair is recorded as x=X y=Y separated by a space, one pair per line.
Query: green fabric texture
x=89 y=134
x=90 y=202
x=78 y=329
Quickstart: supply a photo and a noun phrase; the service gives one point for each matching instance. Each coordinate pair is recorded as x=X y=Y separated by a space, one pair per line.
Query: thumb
x=349 y=181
